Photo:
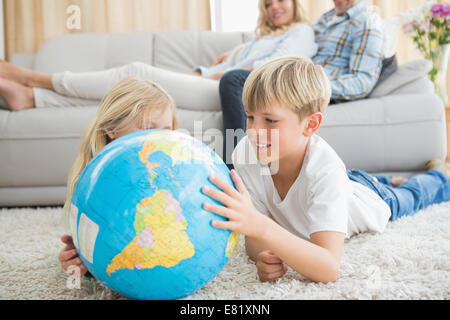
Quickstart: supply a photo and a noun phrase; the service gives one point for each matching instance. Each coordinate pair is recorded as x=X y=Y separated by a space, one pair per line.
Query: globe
x=137 y=218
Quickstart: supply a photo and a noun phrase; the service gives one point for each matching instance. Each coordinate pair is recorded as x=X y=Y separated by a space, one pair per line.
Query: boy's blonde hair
x=265 y=28
x=128 y=102
x=293 y=82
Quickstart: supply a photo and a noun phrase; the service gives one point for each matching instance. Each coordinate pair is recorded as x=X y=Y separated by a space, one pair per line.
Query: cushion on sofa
x=406 y=73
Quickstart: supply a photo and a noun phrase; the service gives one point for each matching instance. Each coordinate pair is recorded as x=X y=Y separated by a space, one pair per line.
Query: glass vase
x=439 y=72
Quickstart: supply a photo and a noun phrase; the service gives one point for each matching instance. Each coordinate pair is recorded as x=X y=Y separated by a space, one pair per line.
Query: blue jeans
x=230 y=88
x=417 y=193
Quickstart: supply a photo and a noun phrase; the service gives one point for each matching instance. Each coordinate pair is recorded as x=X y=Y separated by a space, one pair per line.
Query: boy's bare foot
x=397 y=181
x=437 y=164
x=17 y=96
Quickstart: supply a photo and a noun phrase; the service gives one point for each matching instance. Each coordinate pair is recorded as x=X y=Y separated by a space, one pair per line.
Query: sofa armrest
x=23 y=60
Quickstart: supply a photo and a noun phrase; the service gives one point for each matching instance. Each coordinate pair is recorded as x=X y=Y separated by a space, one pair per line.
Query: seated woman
x=281 y=31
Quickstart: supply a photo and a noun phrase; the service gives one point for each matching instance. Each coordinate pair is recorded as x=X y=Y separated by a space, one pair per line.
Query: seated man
x=350 y=39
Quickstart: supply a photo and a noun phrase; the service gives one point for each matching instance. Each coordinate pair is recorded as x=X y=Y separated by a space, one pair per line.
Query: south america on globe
x=137 y=218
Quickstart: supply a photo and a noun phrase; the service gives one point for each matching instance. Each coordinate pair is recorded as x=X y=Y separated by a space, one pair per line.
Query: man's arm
x=364 y=65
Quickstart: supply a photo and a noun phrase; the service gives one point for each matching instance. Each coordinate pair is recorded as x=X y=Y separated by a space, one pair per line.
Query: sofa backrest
x=176 y=51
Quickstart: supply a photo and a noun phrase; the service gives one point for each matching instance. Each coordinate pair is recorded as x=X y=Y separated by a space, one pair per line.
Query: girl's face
x=157 y=119
x=280 y=12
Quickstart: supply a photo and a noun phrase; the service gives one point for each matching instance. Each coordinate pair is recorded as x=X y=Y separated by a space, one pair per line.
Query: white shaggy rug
x=410 y=260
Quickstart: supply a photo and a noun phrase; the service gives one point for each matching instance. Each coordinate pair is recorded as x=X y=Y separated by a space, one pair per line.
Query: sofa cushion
x=406 y=73
x=182 y=51
x=388 y=68
x=41 y=144
x=394 y=133
x=92 y=52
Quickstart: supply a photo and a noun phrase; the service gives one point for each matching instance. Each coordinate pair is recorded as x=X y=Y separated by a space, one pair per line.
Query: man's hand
x=237 y=207
x=270 y=267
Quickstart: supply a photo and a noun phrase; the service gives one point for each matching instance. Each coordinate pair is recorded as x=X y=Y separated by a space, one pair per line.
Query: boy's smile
x=279 y=137
x=271 y=132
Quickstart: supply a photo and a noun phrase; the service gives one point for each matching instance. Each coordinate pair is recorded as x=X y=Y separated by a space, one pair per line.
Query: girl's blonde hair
x=265 y=28
x=127 y=103
x=293 y=82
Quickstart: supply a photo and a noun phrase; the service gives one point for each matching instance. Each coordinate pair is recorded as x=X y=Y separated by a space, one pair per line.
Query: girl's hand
x=270 y=267
x=69 y=256
x=237 y=207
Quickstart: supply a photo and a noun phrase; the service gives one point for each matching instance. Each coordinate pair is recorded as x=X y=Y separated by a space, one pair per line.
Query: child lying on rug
x=131 y=105
x=296 y=203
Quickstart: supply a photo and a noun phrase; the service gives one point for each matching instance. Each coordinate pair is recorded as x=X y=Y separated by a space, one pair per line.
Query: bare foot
x=12 y=72
x=436 y=164
x=19 y=97
x=397 y=181
x=25 y=77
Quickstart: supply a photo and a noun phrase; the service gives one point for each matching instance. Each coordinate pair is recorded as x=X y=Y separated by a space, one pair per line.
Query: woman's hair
x=265 y=28
x=293 y=82
x=127 y=103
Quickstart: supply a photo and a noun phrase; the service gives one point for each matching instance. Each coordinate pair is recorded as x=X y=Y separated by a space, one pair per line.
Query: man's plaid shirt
x=350 y=51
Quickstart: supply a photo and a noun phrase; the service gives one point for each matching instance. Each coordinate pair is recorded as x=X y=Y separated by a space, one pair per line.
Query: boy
x=301 y=213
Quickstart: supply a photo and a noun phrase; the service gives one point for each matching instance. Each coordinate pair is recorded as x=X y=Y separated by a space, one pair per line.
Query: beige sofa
x=397 y=129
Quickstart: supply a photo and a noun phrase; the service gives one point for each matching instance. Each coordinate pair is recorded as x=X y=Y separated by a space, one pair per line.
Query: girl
x=281 y=31
x=131 y=105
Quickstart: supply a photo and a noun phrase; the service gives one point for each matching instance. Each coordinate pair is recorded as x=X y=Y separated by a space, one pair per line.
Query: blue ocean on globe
x=137 y=218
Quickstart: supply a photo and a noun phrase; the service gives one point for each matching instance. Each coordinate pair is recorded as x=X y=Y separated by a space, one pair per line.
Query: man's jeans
x=234 y=117
x=415 y=194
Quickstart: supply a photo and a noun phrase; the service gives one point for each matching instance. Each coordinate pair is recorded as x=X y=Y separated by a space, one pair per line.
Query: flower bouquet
x=429 y=28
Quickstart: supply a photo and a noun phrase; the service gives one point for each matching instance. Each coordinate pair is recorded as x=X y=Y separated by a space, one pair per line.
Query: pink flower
x=436 y=10
x=407 y=28
x=424 y=27
x=445 y=10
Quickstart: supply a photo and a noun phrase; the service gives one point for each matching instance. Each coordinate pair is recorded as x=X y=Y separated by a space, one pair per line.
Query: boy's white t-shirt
x=322 y=198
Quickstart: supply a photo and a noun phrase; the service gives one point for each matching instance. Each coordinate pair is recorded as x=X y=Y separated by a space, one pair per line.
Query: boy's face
x=277 y=132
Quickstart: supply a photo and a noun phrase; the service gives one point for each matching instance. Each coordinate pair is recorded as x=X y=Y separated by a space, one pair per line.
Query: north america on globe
x=161 y=238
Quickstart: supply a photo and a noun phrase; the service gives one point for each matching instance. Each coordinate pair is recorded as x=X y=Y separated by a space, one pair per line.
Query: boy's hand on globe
x=69 y=256
x=270 y=267
x=237 y=208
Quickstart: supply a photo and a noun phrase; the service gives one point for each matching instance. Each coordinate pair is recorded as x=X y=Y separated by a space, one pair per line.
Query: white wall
x=234 y=15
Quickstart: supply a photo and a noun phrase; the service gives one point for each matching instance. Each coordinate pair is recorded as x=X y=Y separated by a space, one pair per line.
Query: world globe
x=137 y=218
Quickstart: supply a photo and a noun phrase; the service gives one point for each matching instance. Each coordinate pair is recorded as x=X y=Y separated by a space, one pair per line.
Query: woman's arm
x=299 y=41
